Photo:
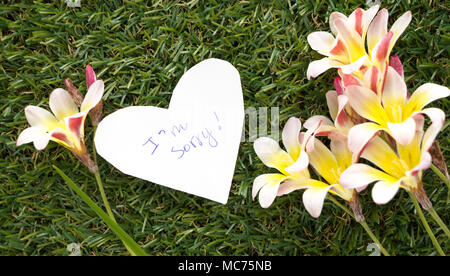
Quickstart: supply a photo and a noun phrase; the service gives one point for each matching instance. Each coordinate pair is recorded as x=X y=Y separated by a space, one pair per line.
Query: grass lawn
x=141 y=50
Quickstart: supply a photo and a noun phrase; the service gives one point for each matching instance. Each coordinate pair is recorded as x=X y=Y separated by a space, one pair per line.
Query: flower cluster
x=373 y=117
x=66 y=125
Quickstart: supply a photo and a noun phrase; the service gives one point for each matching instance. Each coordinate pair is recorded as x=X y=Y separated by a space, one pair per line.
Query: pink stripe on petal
x=60 y=136
x=396 y=63
x=382 y=49
x=338 y=85
x=90 y=76
x=348 y=80
x=75 y=124
x=358 y=21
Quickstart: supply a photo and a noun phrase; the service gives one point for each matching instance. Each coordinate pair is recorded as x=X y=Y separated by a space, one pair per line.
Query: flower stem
x=102 y=192
x=441 y=175
x=439 y=221
x=426 y=225
x=443 y=178
x=131 y=245
x=363 y=224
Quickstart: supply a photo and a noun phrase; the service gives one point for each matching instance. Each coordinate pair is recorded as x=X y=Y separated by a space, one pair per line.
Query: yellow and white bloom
x=345 y=48
x=395 y=113
x=329 y=164
x=397 y=169
x=66 y=125
x=292 y=164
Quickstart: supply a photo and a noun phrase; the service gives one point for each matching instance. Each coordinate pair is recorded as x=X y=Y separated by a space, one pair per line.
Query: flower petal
x=40 y=117
x=93 y=96
x=321 y=42
x=359 y=136
x=341 y=152
x=269 y=191
x=377 y=29
x=372 y=79
x=399 y=27
x=424 y=95
x=290 y=137
x=90 y=76
x=382 y=155
x=30 y=134
x=403 y=132
x=332 y=103
x=314 y=120
x=61 y=136
x=360 y=175
x=299 y=165
x=395 y=62
x=317 y=67
x=62 y=104
x=368 y=18
x=75 y=124
x=292 y=184
x=425 y=163
x=265 y=179
x=356 y=65
x=270 y=153
x=313 y=199
x=343 y=122
x=384 y=191
x=437 y=117
x=324 y=162
x=380 y=52
x=333 y=17
x=351 y=38
x=40 y=142
x=366 y=103
x=394 y=94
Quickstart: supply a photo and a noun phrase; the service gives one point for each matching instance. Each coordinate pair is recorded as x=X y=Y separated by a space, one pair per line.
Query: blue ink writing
x=217 y=117
x=150 y=140
x=197 y=141
x=178 y=129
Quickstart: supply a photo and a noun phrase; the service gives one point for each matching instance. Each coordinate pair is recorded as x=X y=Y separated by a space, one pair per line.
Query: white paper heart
x=192 y=146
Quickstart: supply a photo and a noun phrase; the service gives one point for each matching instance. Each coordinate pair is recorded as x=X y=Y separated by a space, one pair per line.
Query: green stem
x=443 y=178
x=441 y=175
x=102 y=192
x=363 y=224
x=439 y=221
x=426 y=225
x=134 y=248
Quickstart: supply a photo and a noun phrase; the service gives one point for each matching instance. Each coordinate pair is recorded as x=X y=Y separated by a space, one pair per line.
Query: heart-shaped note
x=192 y=146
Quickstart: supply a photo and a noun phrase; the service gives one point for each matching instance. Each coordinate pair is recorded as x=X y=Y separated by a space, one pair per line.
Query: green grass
x=141 y=50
